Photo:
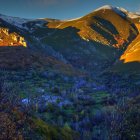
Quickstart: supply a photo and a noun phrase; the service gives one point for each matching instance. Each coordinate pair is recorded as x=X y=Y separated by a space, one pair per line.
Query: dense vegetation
x=51 y=106
x=69 y=82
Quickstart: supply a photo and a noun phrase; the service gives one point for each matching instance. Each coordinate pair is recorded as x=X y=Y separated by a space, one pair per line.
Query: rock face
x=11 y=39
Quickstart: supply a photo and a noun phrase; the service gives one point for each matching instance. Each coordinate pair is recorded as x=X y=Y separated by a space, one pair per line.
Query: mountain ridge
x=100 y=31
x=73 y=79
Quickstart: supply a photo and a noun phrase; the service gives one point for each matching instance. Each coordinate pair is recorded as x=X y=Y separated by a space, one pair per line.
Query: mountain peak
x=109 y=7
x=104 y=7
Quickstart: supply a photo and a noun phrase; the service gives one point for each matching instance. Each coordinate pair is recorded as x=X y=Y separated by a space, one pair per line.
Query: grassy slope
x=133 y=54
x=10 y=35
x=89 y=38
x=103 y=26
x=133 y=50
x=24 y=58
x=130 y=59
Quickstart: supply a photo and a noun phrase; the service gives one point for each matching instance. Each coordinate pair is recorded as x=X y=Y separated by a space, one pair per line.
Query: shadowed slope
x=10 y=35
x=103 y=25
x=132 y=53
x=24 y=58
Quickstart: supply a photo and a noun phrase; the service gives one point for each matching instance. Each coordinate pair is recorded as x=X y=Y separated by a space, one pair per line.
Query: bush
x=50 y=132
x=124 y=121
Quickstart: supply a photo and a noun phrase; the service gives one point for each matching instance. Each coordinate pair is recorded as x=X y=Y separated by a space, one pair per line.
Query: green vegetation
x=54 y=133
x=69 y=83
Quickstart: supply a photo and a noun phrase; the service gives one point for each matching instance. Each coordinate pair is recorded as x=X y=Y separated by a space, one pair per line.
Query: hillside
x=94 y=42
x=10 y=36
x=133 y=50
x=129 y=60
x=75 y=79
x=102 y=25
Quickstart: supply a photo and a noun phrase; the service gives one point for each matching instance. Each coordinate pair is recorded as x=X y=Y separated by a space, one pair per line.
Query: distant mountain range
x=105 y=39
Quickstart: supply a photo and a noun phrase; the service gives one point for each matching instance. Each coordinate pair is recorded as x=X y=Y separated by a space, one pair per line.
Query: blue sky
x=60 y=9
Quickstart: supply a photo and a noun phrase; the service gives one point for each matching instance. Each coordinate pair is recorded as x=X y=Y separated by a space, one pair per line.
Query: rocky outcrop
x=11 y=39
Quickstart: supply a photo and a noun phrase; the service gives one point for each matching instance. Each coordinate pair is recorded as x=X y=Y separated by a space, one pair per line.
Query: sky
x=60 y=9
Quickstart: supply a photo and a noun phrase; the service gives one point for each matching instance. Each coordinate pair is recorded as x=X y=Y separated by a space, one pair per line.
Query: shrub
x=50 y=132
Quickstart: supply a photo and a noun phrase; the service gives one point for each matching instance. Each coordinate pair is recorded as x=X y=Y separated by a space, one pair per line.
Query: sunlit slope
x=132 y=53
x=16 y=53
x=130 y=59
x=10 y=35
x=105 y=26
x=93 y=43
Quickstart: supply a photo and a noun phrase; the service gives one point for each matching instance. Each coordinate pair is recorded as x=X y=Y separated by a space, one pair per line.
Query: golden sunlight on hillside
x=11 y=39
x=101 y=26
x=133 y=51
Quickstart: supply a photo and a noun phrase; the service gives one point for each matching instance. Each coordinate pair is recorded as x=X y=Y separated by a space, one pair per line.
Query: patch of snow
x=138 y=13
x=118 y=10
x=104 y=7
x=121 y=11
x=72 y=19
x=133 y=15
x=129 y=14
x=16 y=21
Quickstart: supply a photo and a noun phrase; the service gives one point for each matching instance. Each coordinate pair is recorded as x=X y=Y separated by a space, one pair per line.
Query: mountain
x=92 y=42
x=98 y=37
x=102 y=25
x=72 y=79
x=131 y=53
x=9 y=35
x=133 y=50
x=129 y=60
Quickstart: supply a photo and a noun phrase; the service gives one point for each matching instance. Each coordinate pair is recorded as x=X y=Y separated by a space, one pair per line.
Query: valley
x=71 y=79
